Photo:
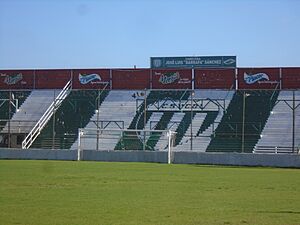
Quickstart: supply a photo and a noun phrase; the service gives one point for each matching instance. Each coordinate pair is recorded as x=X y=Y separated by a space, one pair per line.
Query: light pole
x=9 y=113
x=192 y=94
x=53 y=122
x=97 y=103
x=294 y=107
x=243 y=123
x=98 y=106
x=145 y=118
x=192 y=101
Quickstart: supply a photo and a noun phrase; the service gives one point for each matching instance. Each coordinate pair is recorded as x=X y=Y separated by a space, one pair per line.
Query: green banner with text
x=193 y=62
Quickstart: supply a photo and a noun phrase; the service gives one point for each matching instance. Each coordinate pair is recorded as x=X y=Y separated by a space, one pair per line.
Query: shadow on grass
x=239 y=167
x=280 y=212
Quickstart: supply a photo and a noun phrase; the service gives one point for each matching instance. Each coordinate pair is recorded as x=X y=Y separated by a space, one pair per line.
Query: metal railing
x=275 y=149
x=36 y=130
x=244 y=125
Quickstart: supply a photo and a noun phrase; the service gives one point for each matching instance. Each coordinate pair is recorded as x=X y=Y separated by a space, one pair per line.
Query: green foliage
x=84 y=193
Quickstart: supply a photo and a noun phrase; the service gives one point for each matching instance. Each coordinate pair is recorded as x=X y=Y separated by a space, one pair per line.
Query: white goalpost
x=125 y=139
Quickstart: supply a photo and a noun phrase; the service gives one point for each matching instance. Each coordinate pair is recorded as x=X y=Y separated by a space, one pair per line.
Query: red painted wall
x=290 y=78
x=51 y=79
x=214 y=78
x=258 y=78
x=16 y=79
x=131 y=79
x=171 y=79
x=91 y=79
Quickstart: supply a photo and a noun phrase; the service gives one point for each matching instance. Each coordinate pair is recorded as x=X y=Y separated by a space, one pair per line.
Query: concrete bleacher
x=31 y=111
x=172 y=125
x=118 y=108
x=228 y=137
x=154 y=119
x=184 y=143
x=277 y=134
x=204 y=122
x=179 y=121
x=7 y=111
x=200 y=140
x=74 y=113
x=214 y=94
x=162 y=124
x=17 y=99
x=154 y=98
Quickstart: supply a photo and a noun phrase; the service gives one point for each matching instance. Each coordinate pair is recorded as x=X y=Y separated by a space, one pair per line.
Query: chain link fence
x=259 y=121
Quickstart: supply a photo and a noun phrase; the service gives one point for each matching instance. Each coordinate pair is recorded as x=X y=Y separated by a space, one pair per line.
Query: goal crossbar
x=119 y=139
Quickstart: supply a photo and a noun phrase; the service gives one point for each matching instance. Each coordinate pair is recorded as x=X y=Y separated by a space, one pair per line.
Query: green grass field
x=88 y=193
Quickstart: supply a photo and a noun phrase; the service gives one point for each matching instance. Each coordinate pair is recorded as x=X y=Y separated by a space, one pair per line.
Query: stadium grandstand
x=210 y=109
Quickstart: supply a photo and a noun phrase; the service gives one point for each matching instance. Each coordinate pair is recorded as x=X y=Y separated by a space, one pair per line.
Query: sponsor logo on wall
x=172 y=77
x=92 y=78
x=12 y=79
x=260 y=78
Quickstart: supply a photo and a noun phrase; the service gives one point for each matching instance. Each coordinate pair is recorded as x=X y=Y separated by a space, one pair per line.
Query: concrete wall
x=125 y=156
x=46 y=154
x=235 y=159
x=238 y=159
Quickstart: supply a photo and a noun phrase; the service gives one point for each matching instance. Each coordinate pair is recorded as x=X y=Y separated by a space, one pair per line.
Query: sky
x=40 y=34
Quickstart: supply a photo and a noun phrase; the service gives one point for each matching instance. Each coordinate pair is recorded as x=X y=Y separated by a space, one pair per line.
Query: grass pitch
x=84 y=193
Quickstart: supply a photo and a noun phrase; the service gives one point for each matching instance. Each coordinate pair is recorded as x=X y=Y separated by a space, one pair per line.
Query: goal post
x=171 y=140
x=104 y=139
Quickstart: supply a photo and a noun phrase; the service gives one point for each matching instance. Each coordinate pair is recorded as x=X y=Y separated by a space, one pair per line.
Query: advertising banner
x=214 y=78
x=172 y=79
x=193 y=62
x=91 y=79
x=134 y=79
x=51 y=79
x=290 y=78
x=258 y=78
x=16 y=79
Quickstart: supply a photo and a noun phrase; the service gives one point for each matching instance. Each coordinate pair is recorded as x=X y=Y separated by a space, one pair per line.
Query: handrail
x=272 y=96
x=36 y=130
x=274 y=149
x=185 y=91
